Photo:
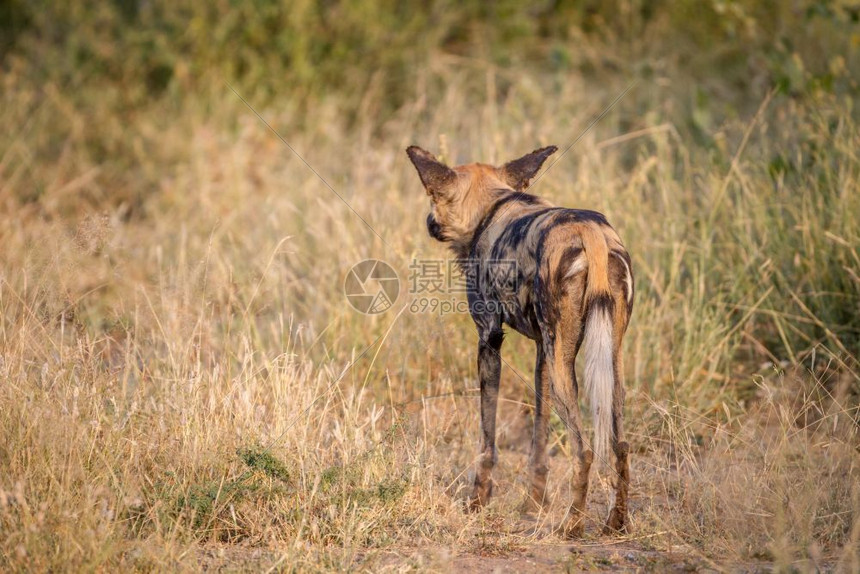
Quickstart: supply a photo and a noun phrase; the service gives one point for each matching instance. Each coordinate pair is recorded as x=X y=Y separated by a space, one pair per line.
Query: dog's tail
x=599 y=340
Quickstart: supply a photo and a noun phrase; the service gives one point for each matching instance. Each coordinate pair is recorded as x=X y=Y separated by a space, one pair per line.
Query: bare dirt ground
x=505 y=543
x=537 y=557
x=542 y=556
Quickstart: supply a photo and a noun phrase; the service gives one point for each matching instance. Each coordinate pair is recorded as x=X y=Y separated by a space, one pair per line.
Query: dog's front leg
x=489 y=371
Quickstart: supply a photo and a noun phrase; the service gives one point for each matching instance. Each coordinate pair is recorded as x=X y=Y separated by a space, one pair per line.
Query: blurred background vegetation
x=150 y=51
x=102 y=82
x=716 y=58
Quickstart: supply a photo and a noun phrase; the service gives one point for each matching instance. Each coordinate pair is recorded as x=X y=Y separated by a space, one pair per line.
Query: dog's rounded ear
x=519 y=173
x=435 y=175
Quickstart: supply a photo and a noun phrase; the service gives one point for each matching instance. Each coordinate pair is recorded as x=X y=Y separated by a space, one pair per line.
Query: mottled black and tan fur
x=574 y=289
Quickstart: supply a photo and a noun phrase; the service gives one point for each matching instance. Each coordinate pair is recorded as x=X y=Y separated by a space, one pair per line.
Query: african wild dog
x=574 y=287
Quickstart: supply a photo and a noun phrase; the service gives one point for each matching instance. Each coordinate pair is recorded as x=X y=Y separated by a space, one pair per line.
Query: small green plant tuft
x=259 y=459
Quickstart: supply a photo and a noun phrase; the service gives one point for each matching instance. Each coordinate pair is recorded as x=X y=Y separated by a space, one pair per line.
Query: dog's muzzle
x=434 y=228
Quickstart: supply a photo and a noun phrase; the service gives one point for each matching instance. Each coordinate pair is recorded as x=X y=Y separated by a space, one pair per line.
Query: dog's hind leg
x=619 y=468
x=621 y=278
x=617 y=521
x=538 y=467
x=565 y=392
x=489 y=372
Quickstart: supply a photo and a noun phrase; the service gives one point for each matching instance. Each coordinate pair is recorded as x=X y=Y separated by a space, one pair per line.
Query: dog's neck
x=496 y=213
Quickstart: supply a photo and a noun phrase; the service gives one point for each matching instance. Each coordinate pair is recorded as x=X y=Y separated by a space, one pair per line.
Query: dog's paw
x=480 y=497
x=616 y=523
x=573 y=528
x=573 y=531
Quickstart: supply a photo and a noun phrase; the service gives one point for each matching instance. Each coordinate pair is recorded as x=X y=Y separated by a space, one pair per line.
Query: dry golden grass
x=185 y=385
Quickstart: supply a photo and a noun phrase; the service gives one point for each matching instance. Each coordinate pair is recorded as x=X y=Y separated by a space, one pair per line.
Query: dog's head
x=462 y=195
